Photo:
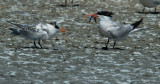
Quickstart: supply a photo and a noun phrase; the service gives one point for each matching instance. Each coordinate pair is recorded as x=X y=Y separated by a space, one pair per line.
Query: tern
x=38 y=32
x=110 y=29
x=150 y=3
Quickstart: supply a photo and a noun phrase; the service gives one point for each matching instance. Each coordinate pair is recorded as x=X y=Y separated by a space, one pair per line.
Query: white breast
x=105 y=27
x=50 y=29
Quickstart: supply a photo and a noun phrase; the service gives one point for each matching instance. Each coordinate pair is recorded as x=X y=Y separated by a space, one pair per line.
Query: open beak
x=90 y=16
x=62 y=30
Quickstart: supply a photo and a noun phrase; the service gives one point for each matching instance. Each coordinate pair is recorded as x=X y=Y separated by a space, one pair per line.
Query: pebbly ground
x=76 y=57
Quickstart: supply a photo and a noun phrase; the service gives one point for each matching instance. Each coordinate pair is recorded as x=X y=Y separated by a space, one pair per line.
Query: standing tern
x=150 y=3
x=110 y=29
x=36 y=32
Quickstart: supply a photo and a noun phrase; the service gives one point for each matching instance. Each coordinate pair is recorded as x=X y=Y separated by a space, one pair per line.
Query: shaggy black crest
x=105 y=13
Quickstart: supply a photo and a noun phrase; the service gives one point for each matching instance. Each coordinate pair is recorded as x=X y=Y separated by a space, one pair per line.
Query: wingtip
x=12 y=29
x=15 y=31
x=8 y=21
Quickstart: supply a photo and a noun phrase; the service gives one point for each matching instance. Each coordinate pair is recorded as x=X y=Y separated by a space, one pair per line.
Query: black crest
x=105 y=13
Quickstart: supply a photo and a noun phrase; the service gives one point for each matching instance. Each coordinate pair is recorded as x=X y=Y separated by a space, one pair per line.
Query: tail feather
x=136 y=24
x=15 y=31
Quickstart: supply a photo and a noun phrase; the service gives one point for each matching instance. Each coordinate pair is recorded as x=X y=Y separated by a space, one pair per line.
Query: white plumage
x=113 y=30
x=110 y=29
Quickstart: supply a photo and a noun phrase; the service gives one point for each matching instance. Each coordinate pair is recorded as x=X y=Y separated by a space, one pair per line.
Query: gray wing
x=29 y=34
x=157 y=2
x=33 y=34
x=121 y=32
x=25 y=27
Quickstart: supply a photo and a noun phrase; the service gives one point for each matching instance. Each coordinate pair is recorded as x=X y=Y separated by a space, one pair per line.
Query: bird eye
x=56 y=27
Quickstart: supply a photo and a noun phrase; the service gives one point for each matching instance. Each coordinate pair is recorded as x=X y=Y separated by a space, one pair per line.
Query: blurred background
x=76 y=57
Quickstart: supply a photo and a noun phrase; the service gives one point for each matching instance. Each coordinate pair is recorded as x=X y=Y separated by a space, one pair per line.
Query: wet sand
x=76 y=57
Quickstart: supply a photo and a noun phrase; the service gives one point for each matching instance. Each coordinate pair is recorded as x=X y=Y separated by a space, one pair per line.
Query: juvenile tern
x=36 y=32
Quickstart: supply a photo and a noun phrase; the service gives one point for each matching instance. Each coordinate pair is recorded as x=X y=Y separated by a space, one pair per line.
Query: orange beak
x=93 y=15
x=90 y=16
x=62 y=30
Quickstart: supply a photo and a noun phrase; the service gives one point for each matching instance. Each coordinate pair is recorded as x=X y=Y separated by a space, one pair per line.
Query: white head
x=57 y=27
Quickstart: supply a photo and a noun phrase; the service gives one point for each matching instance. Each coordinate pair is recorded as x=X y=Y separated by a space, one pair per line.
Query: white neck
x=105 y=18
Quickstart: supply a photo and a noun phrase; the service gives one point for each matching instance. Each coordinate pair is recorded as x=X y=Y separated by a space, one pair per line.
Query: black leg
x=72 y=3
x=107 y=43
x=143 y=9
x=39 y=43
x=65 y=2
x=106 y=48
x=35 y=44
x=155 y=10
x=114 y=44
x=95 y=20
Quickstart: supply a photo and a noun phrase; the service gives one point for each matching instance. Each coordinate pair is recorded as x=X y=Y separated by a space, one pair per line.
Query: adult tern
x=110 y=29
